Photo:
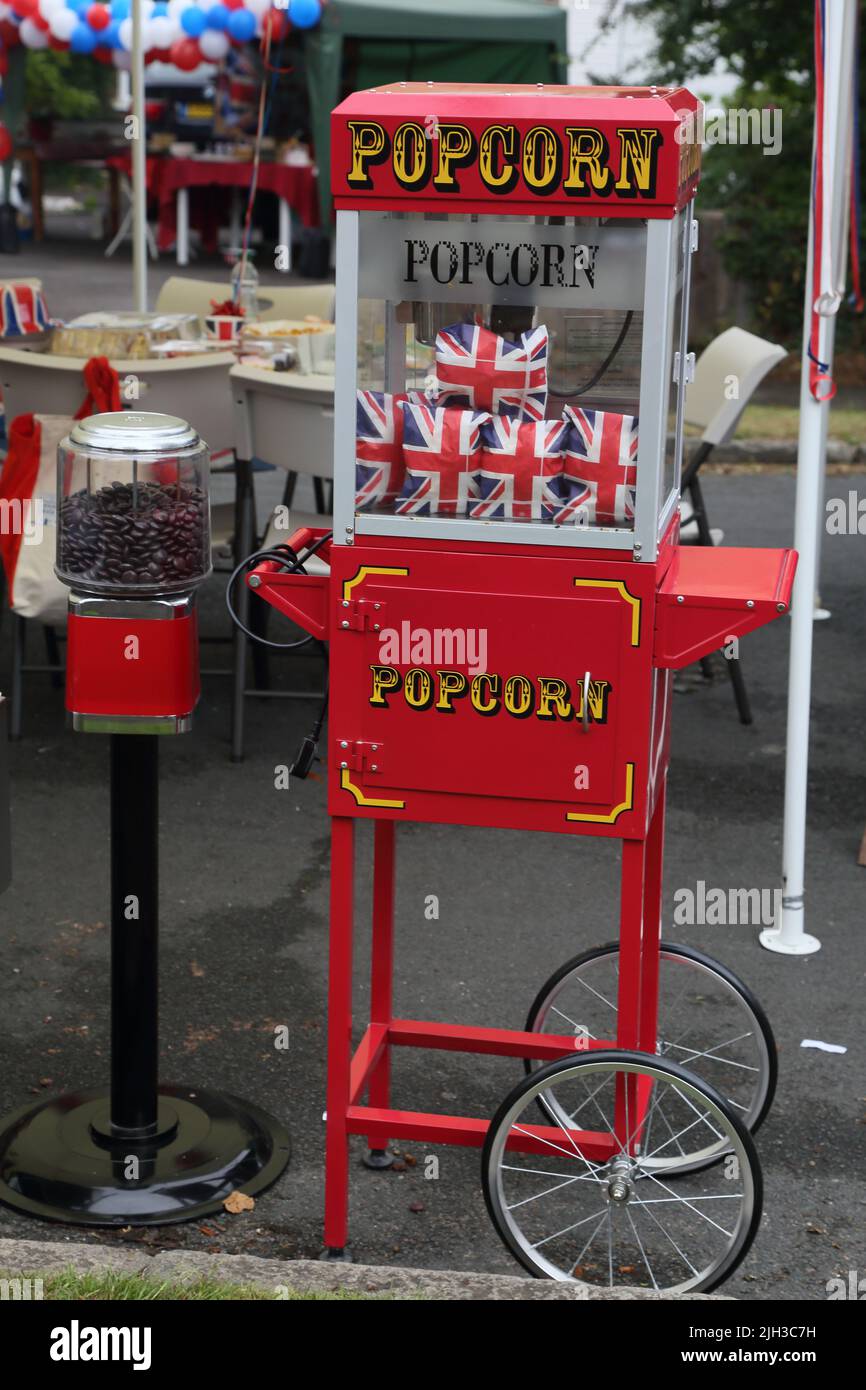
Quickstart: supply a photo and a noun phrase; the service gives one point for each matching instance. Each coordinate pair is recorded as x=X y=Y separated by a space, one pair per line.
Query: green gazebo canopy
x=365 y=43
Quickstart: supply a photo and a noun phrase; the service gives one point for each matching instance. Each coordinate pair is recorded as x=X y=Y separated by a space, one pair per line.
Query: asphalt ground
x=244 y=897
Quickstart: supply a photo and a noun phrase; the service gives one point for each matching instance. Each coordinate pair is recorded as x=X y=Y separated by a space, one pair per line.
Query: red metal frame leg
x=339 y=1031
x=634 y=856
x=652 y=916
x=382 y=971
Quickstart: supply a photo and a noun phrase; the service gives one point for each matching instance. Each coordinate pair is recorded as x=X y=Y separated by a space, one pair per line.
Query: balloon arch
x=183 y=32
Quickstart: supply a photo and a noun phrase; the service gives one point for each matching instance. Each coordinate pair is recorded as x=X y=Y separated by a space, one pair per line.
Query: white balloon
x=49 y=7
x=31 y=35
x=258 y=7
x=214 y=44
x=124 y=33
x=163 y=31
x=62 y=24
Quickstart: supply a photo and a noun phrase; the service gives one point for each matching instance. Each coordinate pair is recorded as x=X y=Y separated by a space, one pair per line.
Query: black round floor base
x=60 y=1161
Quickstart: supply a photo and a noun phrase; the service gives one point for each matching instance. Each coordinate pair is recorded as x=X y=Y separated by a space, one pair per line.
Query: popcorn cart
x=505 y=599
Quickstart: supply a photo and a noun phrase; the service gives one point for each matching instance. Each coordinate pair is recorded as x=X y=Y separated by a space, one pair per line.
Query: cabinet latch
x=360 y=756
x=359 y=614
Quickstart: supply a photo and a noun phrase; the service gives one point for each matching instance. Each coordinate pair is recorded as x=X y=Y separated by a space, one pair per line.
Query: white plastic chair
x=181 y=294
x=727 y=374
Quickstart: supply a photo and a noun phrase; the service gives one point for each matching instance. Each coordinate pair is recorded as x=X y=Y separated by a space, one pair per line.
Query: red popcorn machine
x=133 y=544
x=505 y=599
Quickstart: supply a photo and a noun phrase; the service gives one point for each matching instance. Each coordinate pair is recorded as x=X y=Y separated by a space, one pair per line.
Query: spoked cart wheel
x=584 y=1199
x=708 y=1021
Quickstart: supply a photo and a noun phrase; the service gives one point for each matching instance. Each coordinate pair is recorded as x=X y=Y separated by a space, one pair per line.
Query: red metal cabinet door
x=490 y=706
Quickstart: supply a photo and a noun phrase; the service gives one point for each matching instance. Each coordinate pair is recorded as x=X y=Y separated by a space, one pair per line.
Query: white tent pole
x=139 y=167
x=789 y=935
x=841 y=142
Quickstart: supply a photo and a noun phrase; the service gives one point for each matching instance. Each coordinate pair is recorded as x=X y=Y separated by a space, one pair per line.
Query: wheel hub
x=619 y=1188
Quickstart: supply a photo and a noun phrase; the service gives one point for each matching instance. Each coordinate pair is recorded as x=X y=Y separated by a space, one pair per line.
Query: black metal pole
x=134 y=934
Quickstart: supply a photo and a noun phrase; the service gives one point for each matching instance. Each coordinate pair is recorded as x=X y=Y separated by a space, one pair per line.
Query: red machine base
x=369 y=1070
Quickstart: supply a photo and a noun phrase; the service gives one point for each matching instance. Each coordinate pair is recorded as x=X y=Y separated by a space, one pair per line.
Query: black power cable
x=290 y=563
x=608 y=361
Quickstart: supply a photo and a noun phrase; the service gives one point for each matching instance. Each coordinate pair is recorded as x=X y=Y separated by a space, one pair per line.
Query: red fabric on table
x=165 y=175
x=103 y=388
x=17 y=483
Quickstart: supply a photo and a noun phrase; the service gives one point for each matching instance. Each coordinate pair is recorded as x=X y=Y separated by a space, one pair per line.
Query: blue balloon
x=160 y=10
x=120 y=9
x=242 y=25
x=83 y=39
x=218 y=17
x=111 y=34
x=193 y=21
x=305 y=13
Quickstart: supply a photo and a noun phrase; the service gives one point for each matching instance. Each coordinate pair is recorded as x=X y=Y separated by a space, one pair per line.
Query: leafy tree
x=67 y=85
x=768 y=46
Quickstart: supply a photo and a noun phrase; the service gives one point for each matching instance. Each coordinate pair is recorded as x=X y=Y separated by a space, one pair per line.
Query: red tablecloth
x=165 y=175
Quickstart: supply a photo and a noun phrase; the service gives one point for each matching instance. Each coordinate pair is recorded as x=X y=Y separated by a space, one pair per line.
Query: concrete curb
x=773 y=451
x=19 y=1258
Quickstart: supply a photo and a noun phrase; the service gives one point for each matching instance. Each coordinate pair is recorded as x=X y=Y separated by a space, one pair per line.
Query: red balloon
x=40 y=22
x=275 y=24
x=9 y=33
x=25 y=8
x=4 y=62
x=185 y=54
x=6 y=145
x=102 y=54
x=98 y=17
x=59 y=45
x=233 y=4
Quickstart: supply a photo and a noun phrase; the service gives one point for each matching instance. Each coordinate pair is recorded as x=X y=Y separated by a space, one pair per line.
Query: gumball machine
x=133 y=544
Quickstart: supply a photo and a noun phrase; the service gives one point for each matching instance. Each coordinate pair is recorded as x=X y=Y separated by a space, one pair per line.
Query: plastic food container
x=133 y=510
x=130 y=336
x=313 y=342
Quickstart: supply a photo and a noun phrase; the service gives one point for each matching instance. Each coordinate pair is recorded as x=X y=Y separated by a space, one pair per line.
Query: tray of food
x=129 y=336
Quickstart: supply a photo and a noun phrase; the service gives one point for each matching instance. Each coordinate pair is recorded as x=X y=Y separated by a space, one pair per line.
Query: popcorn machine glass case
x=506 y=598
x=515 y=374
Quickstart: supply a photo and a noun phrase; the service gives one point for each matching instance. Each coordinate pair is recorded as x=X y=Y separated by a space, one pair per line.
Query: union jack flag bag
x=22 y=309
x=481 y=371
x=379 y=468
x=440 y=450
x=600 y=471
x=520 y=470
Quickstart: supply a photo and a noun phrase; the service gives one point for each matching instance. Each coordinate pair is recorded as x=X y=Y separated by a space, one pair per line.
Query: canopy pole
x=789 y=936
x=139 y=166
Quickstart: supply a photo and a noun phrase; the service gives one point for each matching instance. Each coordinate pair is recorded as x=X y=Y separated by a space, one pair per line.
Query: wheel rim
x=706 y=1023
x=565 y=1214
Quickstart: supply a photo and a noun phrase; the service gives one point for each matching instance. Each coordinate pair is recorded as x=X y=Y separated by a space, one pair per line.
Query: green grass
x=782 y=422
x=107 y=1286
